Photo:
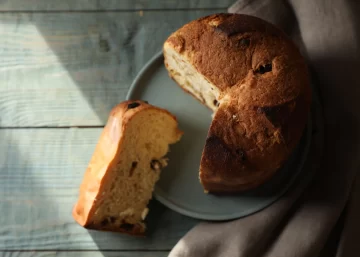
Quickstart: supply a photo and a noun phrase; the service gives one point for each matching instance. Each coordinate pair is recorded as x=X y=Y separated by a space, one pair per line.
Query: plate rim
x=224 y=217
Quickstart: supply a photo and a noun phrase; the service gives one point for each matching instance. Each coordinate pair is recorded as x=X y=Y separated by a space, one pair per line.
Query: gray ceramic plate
x=179 y=187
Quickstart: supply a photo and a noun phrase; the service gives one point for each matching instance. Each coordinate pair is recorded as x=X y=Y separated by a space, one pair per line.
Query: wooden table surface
x=64 y=65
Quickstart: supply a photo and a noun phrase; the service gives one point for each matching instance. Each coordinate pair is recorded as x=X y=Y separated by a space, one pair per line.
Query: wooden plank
x=82 y=254
x=40 y=172
x=96 y=5
x=71 y=69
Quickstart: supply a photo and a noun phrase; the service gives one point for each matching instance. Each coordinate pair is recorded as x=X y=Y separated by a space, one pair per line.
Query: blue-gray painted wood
x=96 y=5
x=70 y=69
x=40 y=173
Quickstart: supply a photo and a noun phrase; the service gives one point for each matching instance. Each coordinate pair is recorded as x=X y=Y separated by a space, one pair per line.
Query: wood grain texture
x=62 y=69
x=40 y=172
x=82 y=254
x=96 y=5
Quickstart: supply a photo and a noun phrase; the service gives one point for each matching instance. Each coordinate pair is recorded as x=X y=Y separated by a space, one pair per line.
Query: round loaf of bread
x=256 y=81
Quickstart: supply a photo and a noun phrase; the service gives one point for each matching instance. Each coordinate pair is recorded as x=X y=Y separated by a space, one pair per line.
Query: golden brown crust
x=264 y=102
x=104 y=158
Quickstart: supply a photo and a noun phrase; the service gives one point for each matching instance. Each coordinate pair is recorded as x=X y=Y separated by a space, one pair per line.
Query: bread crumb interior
x=192 y=81
x=125 y=196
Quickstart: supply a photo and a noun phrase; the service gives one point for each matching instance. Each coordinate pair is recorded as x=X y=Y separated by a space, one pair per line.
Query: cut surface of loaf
x=256 y=82
x=124 y=168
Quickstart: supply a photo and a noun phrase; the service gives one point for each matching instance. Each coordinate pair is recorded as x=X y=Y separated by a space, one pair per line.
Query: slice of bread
x=124 y=168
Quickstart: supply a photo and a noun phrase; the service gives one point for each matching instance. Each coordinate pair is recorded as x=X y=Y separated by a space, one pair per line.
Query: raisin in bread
x=256 y=82
x=124 y=168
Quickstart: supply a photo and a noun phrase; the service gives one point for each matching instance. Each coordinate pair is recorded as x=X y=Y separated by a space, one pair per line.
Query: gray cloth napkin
x=300 y=222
